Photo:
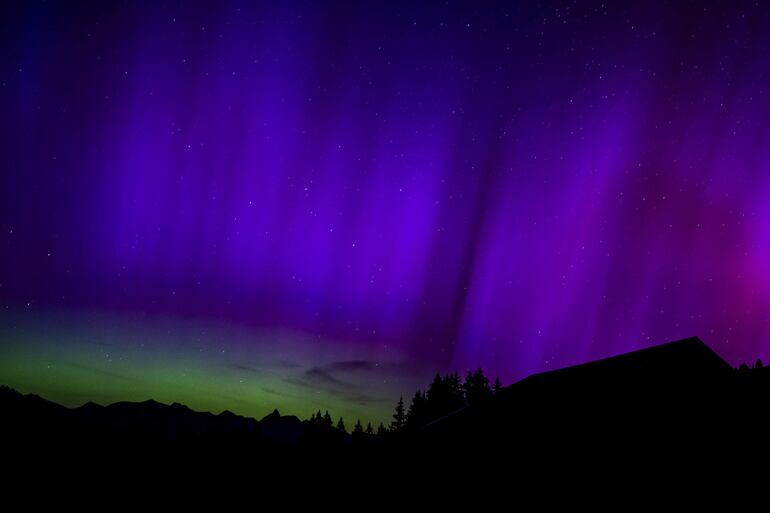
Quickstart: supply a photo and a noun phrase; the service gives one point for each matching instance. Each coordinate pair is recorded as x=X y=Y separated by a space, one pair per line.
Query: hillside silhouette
x=678 y=400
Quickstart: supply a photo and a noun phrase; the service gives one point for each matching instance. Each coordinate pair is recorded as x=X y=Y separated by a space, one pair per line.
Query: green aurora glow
x=76 y=357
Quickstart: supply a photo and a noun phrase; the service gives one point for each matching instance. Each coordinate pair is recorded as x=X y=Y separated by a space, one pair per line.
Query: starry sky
x=303 y=205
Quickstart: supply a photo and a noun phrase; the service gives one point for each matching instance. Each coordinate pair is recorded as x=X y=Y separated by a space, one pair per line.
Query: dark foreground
x=672 y=407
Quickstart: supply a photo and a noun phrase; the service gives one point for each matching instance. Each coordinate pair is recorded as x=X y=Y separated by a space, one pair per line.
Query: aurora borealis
x=304 y=205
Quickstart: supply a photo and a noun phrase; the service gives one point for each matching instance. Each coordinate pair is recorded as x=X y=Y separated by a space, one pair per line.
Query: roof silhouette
x=688 y=358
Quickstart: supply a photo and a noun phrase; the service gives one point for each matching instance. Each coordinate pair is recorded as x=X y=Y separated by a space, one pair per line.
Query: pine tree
x=381 y=431
x=476 y=387
x=327 y=420
x=435 y=390
x=399 y=417
x=445 y=395
x=468 y=385
x=369 y=430
x=358 y=429
x=497 y=387
x=457 y=398
x=416 y=417
x=341 y=426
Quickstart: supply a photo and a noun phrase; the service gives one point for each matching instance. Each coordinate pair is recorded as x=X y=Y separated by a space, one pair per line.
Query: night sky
x=317 y=204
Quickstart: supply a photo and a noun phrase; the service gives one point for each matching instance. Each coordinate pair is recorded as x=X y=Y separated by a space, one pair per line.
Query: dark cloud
x=348 y=392
x=365 y=366
x=346 y=379
x=364 y=400
x=353 y=366
x=304 y=382
x=345 y=375
x=242 y=367
x=320 y=374
x=255 y=367
x=272 y=391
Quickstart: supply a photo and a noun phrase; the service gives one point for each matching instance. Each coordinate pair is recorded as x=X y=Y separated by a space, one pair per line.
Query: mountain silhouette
x=287 y=429
x=137 y=426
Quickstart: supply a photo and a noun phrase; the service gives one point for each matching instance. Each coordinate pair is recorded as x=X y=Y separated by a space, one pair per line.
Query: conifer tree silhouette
x=417 y=417
x=476 y=387
x=497 y=387
x=327 y=420
x=399 y=417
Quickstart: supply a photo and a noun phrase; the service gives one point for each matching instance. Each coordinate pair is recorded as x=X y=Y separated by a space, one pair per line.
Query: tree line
x=446 y=394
